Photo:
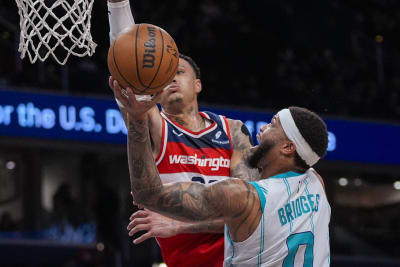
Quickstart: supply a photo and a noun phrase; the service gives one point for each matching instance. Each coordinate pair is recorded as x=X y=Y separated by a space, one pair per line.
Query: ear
x=288 y=148
x=197 y=86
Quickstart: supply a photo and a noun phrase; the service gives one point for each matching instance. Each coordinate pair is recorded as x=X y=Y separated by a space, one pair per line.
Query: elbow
x=140 y=197
x=146 y=197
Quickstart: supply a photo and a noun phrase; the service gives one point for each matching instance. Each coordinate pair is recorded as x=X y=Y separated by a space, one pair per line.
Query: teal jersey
x=293 y=229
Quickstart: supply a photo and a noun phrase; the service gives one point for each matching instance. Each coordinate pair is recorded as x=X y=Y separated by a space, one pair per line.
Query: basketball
x=144 y=58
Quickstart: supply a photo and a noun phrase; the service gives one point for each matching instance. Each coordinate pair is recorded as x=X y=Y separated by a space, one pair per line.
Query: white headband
x=292 y=132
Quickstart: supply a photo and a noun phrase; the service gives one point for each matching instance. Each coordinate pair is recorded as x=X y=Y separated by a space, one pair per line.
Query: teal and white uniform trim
x=293 y=229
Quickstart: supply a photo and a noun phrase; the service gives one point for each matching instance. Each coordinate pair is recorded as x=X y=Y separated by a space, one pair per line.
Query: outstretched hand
x=154 y=225
x=126 y=97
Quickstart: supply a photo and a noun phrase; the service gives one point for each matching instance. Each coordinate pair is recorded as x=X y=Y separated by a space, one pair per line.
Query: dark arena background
x=64 y=184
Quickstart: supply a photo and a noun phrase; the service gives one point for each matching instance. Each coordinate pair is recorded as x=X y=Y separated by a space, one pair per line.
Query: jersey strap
x=260 y=194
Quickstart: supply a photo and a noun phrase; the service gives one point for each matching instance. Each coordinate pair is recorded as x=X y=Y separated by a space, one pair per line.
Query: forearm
x=212 y=226
x=185 y=201
x=120 y=17
x=144 y=177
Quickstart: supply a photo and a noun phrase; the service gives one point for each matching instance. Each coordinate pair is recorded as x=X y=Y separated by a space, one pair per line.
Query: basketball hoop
x=59 y=28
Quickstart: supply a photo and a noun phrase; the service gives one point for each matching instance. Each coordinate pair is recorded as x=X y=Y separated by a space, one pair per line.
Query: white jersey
x=294 y=228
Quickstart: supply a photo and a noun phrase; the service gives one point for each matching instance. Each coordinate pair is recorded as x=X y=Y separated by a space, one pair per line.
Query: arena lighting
x=10 y=165
x=162 y=264
x=396 y=185
x=379 y=38
x=357 y=182
x=100 y=247
x=343 y=181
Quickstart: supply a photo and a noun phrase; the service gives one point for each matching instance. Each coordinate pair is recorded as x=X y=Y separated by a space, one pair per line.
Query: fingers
x=110 y=82
x=120 y=94
x=127 y=98
x=138 y=228
x=148 y=102
x=139 y=214
x=137 y=222
x=140 y=206
x=143 y=238
x=130 y=94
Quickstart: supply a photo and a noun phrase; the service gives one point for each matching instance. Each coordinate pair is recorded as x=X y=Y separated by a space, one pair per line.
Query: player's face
x=184 y=88
x=272 y=130
x=269 y=136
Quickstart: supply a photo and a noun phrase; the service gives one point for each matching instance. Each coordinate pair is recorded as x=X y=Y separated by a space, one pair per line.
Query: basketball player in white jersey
x=178 y=133
x=282 y=220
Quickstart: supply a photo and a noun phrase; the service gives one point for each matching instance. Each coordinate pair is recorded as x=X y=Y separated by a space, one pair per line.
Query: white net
x=59 y=28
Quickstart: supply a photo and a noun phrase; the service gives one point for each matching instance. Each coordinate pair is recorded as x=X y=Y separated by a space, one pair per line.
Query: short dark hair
x=314 y=131
x=193 y=64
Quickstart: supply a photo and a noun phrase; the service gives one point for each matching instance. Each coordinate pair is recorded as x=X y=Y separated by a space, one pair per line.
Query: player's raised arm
x=120 y=18
x=234 y=200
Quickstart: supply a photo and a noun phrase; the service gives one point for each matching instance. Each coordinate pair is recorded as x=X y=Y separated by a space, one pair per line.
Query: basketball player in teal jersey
x=181 y=135
x=282 y=220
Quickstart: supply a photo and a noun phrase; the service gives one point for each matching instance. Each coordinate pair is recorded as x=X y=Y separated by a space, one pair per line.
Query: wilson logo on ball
x=144 y=58
x=148 y=57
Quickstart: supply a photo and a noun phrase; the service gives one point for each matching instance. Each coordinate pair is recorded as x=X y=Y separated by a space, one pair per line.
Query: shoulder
x=233 y=187
x=319 y=177
x=238 y=126
x=234 y=123
x=241 y=137
x=232 y=193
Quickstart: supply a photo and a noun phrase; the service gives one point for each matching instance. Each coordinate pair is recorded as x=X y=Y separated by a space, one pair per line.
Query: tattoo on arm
x=186 y=200
x=143 y=171
x=246 y=132
x=242 y=142
x=209 y=226
x=239 y=204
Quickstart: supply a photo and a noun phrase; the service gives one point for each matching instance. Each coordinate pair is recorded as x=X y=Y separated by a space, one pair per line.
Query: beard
x=254 y=159
x=174 y=98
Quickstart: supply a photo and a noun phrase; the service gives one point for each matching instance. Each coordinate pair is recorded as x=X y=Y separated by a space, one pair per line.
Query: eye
x=179 y=72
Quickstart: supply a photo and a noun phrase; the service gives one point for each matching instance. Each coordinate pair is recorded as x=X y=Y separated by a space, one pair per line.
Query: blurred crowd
x=336 y=57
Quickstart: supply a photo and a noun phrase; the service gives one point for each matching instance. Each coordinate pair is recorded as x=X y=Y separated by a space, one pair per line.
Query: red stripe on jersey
x=228 y=131
x=163 y=142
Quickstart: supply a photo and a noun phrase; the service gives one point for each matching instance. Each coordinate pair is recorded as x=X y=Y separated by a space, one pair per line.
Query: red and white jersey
x=203 y=157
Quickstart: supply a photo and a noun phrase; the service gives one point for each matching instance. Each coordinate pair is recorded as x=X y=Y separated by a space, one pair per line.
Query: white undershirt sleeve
x=119 y=17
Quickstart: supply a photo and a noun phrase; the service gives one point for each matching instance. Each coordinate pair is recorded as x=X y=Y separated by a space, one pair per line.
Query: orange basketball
x=144 y=58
